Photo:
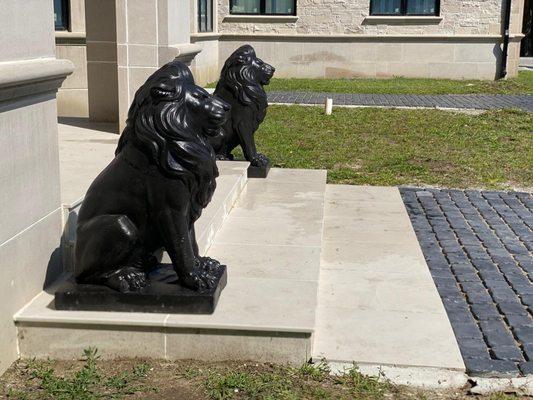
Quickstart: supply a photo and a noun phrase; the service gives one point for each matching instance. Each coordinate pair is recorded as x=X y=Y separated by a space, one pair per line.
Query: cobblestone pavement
x=478 y=246
x=466 y=101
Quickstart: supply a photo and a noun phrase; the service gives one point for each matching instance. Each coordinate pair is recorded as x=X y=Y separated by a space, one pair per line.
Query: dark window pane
x=205 y=15
x=246 y=6
x=386 y=7
x=61 y=14
x=279 y=7
x=421 y=7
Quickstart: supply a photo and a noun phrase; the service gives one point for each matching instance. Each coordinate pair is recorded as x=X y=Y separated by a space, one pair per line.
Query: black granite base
x=162 y=295
x=258 y=172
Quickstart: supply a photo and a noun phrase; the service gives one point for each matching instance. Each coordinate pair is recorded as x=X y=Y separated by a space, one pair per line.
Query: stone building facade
x=339 y=38
x=323 y=39
x=31 y=213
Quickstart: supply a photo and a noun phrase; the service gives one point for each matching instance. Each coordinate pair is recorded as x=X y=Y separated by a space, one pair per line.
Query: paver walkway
x=478 y=246
x=464 y=101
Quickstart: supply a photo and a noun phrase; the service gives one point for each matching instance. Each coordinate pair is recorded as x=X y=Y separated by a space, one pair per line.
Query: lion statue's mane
x=160 y=125
x=239 y=78
x=241 y=85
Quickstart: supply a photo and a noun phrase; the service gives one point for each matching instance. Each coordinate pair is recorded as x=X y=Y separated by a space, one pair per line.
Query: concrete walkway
x=478 y=245
x=377 y=302
x=85 y=148
x=452 y=101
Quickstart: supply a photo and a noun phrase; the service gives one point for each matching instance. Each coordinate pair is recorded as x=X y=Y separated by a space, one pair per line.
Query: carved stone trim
x=70 y=38
x=23 y=78
x=202 y=37
x=310 y=38
x=260 y=18
x=185 y=52
x=402 y=20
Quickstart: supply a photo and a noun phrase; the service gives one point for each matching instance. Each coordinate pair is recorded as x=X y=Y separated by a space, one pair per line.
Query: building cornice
x=23 y=78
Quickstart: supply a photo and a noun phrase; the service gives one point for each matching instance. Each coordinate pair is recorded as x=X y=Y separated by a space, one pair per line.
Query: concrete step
x=377 y=304
x=271 y=243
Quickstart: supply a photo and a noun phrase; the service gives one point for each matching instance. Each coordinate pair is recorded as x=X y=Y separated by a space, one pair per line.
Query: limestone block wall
x=352 y=17
x=341 y=57
x=205 y=66
x=338 y=38
x=30 y=216
x=72 y=100
x=72 y=97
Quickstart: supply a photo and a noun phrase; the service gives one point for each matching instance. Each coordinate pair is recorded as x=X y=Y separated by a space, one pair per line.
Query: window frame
x=65 y=16
x=262 y=10
x=208 y=3
x=403 y=11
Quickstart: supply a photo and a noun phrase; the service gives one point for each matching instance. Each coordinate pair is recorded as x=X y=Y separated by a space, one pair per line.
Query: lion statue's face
x=262 y=70
x=246 y=66
x=244 y=75
x=206 y=112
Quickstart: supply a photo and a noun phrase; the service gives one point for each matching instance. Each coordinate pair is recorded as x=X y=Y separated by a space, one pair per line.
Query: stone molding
x=23 y=78
x=260 y=18
x=363 y=38
x=402 y=20
x=203 y=37
x=71 y=38
x=185 y=52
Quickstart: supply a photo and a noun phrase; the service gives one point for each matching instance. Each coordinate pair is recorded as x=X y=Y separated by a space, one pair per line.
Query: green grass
x=523 y=84
x=403 y=147
x=310 y=381
x=86 y=383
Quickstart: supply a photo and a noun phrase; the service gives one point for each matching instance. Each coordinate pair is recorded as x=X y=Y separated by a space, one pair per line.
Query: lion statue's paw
x=127 y=279
x=259 y=160
x=225 y=157
x=204 y=277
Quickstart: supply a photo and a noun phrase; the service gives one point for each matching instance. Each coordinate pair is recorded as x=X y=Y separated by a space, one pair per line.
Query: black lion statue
x=241 y=85
x=148 y=198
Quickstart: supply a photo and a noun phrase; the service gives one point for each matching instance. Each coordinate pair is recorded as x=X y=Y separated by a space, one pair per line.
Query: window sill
x=401 y=20
x=260 y=18
x=72 y=38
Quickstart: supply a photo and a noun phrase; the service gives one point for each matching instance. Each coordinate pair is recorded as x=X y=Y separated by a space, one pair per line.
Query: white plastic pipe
x=329 y=106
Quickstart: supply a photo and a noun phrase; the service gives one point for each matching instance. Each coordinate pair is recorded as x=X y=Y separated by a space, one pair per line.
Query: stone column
x=145 y=34
x=516 y=35
x=30 y=212
x=101 y=33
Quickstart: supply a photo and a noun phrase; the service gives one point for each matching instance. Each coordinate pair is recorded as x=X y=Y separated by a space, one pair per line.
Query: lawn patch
x=403 y=147
x=522 y=84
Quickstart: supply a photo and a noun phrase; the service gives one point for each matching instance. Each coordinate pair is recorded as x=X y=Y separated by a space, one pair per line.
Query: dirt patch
x=91 y=378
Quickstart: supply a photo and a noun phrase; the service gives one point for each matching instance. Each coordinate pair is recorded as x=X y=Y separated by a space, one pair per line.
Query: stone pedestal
x=162 y=295
x=258 y=172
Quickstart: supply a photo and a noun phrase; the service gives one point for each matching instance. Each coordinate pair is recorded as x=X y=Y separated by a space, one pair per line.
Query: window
x=61 y=16
x=263 y=7
x=205 y=15
x=405 y=7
